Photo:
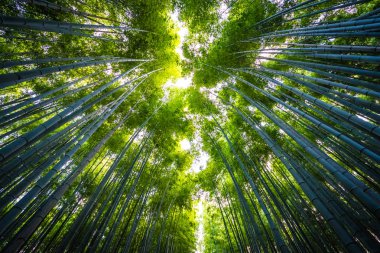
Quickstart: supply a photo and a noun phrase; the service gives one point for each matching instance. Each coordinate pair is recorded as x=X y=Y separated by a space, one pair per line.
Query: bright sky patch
x=182 y=33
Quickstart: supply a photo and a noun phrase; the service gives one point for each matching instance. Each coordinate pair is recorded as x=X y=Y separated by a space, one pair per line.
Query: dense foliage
x=282 y=117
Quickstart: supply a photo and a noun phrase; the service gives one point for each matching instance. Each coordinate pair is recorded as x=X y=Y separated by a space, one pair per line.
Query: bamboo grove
x=284 y=100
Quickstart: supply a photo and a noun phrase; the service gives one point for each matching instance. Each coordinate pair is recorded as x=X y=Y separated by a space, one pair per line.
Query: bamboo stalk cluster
x=323 y=98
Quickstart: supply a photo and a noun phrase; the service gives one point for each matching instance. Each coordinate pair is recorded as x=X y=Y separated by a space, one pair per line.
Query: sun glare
x=181 y=83
x=185 y=144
